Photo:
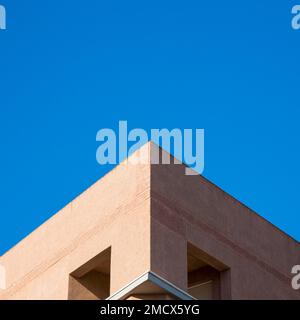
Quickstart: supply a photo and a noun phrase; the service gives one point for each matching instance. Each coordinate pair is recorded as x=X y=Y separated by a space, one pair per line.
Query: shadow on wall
x=92 y=280
x=207 y=278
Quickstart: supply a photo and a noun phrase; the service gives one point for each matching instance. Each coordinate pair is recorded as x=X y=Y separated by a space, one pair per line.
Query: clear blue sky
x=70 y=68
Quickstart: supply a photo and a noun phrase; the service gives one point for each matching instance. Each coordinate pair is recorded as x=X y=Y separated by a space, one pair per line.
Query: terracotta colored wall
x=115 y=212
x=147 y=215
x=191 y=209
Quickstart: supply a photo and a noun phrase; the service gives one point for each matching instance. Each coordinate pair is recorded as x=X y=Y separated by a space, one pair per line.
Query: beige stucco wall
x=115 y=212
x=148 y=214
x=192 y=209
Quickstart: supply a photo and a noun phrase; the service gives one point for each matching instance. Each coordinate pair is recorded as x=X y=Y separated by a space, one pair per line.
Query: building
x=149 y=231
